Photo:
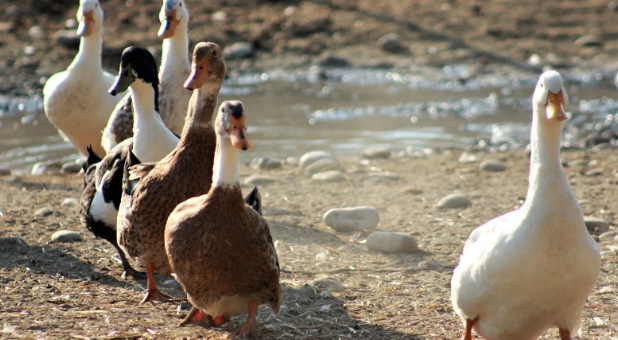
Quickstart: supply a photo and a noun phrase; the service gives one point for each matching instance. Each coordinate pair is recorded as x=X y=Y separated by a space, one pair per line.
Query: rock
x=292 y=161
x=391 y=242
x=70 y=23
x=70 y=202
x=219 y=16
x=334 y=61
x=467 y=158
x=43 y=212
x=265 y=163
x=608 y=235
x=29 y=50
x=329 y=176
x=321 y=165
x=314 y=156
x=71 y=168
x=377 y=152
x=239 y=50
x=594 y=172
x=171 y=283
x=589 y=41
x=42 y=168
x=67 y=38
x=35 y=32
x=11 y=241
x=353 y=218
x=595 y=225
x=390 y=43
x=6 y=27
x=411 y=191
x=260 y=180
x=5 y=171
x=66 y=236
x=327 y=283
x=492 y=166
x=381 y=177
x=454 y=201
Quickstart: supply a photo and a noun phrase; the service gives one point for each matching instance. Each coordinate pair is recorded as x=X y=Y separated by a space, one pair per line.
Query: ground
x=75 y=290
x=490 y=35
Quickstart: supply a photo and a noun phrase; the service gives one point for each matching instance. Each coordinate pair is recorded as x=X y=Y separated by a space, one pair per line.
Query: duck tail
x=254 y=200
x=93 y=158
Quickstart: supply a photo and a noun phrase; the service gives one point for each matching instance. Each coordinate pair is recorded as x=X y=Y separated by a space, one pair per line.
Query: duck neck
x=89 y=55
x=226 y=169
x=201 y=107
x=145 y=98
x=175 y=51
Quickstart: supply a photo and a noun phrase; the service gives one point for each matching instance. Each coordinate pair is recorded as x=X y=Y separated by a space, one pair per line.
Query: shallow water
x=289 y=113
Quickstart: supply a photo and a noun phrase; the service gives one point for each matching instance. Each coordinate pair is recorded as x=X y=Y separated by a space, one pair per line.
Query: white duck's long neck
x=145 y=110
x=226 y=169
x=175 y=52
x=545 y=164
x=89 y=55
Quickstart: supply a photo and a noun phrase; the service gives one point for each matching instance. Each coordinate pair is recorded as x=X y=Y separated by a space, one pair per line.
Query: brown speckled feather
x=122 y=119
x=218 y=246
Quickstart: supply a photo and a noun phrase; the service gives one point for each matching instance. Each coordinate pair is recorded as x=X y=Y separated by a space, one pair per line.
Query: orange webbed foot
x=156 y=295
x=248 y=330
x=198 y=318
x=220 y=320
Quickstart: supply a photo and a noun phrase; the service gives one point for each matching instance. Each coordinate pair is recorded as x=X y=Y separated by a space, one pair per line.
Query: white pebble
x=492 y=166
x=70 y=202
x=391 y=242
x=314 y=156
x=328 y=283
x=293 y=161
x=260 y=180
x=265 y=163
x=321 y=165
x=350 y=219
x=466 y=158
x=43 y=212
x=329 y=176
x=66 y=236
x=454 y=201
x=377 y=152
x=384 y=177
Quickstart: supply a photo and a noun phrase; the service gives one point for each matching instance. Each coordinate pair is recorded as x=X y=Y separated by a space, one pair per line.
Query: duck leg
x=248 y=330
x=564 y=334
x=152 y=292
x=198 y=318
x=126 y=265
x=467 y=335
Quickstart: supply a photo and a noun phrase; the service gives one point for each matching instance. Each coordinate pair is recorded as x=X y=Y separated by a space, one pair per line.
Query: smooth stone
x=219 y=16
x=467 y=158
x=382 y=177
x=594 y=172
x=292 y=161
x=171 y=283
x=43 y=212
x=11 y=241
x=596 y=225
x=260 y=180
x=239 y=50
x=377 y=152
x=328 y=283
x=391 y=242
x=66 y=236
x=329 y=176
x=492 y=166
x=70 y=202
x=608 y=235
x=589 y=41
x=411 y=191
x=67 y=38
x=353 y=218
x=265 y=163
x=314 y=156
x=35 y=32
x=334 y=61
x=390 y=43
x=5 y=171
x=42 y=168
x=321 y=165
x=454 y=201
x=71 y=168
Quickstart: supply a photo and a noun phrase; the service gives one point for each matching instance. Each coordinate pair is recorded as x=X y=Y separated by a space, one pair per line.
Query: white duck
x=531 y=269
x=76 y=101
x=175 y=69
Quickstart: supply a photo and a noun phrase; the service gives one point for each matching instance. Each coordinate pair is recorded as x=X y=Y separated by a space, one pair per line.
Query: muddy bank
x=75 y=290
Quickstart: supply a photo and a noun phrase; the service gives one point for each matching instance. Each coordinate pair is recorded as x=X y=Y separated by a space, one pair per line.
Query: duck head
x=90 y=17
x=172 y=13
x=230 y=125
x=207 y=67
x=135 y=63
x=550 y=98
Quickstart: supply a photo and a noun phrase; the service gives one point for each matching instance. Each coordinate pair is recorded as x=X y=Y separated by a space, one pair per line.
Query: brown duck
x=219 y=248
x=152 y=191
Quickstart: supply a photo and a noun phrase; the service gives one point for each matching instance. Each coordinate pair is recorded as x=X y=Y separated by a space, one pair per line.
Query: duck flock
x=162 y=186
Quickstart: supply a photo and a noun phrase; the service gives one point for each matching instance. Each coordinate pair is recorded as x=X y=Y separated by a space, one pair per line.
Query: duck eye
x=201 y=67
x=214 y=53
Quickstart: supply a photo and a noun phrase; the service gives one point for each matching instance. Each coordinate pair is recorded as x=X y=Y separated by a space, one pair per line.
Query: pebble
x=29 y=50
x=467 y=158
x=6 y=27
x=239 y=50
x=71 y=168
x=265 y=163
x=411 y=191
x=171 y=283
x=42 y=168
x=67 y=38
x=43 y=212
x=608 y=235
x=66 y=236
x=260 y=180
x=377 y=152
x=390 y=43
x=70 y=202
x=5 y=171
x=327 y=283
x=219 y=16
x=589 y=41
x=35 y=32
x=70 y=23
x=321 y=165
x=492 y=165
x=353 y=218
x=292 y=161
x=454 y=201
x=594 y=172
x=11 y=241
x=391 y=242
x=329 y=176
x=432 y=264
x=382 y=177
x=334 y=61
x=596 y=225
x=314 y=156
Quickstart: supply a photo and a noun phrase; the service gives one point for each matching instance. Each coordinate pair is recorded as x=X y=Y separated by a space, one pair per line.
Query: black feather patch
x=254 y=199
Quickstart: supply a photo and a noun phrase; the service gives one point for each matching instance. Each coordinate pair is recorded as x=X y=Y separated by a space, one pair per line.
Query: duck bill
x=238 y=135
x=197 y=78
x=123 y=82
x=168 y=27
x=555 y=106
x=86 y=24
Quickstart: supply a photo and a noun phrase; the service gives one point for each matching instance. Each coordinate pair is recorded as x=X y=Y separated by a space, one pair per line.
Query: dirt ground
x=490 y=35
x=75 y=290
